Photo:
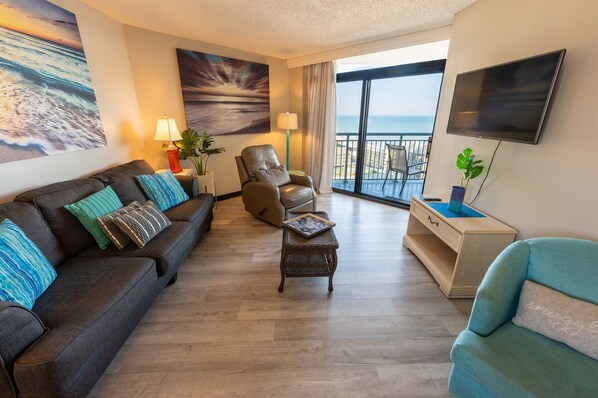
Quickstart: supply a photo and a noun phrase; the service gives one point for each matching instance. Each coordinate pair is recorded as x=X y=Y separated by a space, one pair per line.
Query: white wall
x=155 y=69
x=550 y=189
x=108 y=63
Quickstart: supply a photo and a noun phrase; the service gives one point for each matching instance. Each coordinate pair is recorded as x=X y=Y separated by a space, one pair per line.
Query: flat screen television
x=505 y=102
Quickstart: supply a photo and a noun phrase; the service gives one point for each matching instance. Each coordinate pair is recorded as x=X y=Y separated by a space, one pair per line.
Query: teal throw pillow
x=163 y=189
x=25 y=273
x=88 y=209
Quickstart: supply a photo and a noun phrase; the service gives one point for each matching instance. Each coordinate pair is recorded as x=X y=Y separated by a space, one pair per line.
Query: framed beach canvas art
x=224 y=95
x=47 y=102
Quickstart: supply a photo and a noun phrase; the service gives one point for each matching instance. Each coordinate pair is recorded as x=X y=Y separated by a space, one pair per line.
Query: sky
x=410 y=95
x=41 y=19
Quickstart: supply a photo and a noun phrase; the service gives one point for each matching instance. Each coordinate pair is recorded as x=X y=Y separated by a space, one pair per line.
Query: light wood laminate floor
x=223 y=330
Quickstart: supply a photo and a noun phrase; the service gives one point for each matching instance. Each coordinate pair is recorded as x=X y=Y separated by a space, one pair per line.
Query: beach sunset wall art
x=224 y=95
x=47 y=102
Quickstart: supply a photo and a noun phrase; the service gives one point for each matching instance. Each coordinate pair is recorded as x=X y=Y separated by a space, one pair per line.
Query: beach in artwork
x=224 y=95
x=47 y=102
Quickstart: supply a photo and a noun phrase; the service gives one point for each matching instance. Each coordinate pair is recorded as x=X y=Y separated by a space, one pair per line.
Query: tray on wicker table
x=302 y=256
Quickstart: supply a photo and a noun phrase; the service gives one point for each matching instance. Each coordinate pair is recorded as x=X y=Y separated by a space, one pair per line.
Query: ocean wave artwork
x=47 y=102
x=224 y=95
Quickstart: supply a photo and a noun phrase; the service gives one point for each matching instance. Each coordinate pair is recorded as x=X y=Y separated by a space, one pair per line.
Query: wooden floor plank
x=223 y=329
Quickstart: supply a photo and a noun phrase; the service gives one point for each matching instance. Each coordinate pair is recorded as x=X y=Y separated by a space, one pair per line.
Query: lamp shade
x=167 y=130
x=287 y=121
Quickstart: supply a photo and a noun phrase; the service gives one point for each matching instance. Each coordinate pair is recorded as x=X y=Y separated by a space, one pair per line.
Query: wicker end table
x=307 y=257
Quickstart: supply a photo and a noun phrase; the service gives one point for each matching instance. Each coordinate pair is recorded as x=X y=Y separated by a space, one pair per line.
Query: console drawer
x=438 y=226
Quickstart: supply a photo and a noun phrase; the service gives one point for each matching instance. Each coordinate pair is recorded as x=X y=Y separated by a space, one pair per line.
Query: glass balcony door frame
x=366 y=77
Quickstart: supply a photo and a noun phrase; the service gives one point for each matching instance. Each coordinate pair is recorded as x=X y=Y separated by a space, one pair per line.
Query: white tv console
x=456 y=251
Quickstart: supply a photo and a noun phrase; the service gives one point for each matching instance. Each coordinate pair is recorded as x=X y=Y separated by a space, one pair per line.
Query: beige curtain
x=319 y=123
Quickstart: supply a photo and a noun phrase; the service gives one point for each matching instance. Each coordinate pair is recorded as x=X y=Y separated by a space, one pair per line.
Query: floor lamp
x=287 y=121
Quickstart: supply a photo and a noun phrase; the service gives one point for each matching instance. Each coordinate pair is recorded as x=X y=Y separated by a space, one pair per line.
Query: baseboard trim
x=228 y=196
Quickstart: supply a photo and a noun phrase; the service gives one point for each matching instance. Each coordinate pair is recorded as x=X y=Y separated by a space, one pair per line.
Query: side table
x=308 y=257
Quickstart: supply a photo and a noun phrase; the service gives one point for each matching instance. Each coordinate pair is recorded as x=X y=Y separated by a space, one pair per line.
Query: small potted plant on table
x=197 y=149
x=470 y=168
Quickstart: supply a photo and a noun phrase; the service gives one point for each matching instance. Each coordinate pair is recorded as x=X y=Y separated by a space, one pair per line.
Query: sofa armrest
x=302 y=180
x=498 y=295
x=19 y=329
x=189 y=184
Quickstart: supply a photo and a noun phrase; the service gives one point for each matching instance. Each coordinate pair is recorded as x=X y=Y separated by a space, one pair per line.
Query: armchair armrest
x=498 y=295
x=262 y=199
x=189 y=184
x=302 y=180
x=19 y=329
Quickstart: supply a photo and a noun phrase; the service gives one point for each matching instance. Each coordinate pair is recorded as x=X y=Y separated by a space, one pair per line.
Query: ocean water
x=46 y=96
x=221 y=118
x=386 y=124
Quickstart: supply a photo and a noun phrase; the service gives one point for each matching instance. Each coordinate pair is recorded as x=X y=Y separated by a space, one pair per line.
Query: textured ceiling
x=283 y=28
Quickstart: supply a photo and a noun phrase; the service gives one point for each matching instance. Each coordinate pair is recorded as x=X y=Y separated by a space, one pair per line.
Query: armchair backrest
x=567 y=265
x=259 y=157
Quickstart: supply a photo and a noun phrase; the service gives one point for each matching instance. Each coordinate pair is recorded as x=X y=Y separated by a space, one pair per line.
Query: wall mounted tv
x=505 y=102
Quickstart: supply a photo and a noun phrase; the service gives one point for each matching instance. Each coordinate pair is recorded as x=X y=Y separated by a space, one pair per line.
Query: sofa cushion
x=163 y=189
x=143 y=224
x=30 y=220
x=276 y=175
x=95 y=205
x=112 y=231
x=25 y=273
x=20 y=329
x=292 y=195
x=516 y=362
x=194 y=210
x=90 y=301
x=122 y=179
x=51 y=199
x=168 y=249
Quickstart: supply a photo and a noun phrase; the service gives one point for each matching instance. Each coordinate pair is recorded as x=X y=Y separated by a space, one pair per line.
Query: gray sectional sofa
x=62 y=347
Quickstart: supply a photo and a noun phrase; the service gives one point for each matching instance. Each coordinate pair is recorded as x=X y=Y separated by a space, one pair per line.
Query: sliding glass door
x=385 y=119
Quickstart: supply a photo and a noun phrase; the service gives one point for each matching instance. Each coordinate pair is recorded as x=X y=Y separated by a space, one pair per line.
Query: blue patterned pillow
x=25 y=273
x=163 y=189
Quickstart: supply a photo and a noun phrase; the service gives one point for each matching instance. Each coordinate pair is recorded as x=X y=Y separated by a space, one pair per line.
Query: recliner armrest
x=302 y=180
x=498 y=295
x=189 y=184
x=19 y=330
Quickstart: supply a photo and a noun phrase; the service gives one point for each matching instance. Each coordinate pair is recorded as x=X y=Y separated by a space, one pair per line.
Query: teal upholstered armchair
x=495 y=358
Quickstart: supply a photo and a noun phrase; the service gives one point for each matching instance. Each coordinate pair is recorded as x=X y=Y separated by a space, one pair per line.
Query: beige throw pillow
x=277 y=175
x=560 y=317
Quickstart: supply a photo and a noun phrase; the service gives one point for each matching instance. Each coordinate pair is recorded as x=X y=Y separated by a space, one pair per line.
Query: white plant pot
x=206 y=183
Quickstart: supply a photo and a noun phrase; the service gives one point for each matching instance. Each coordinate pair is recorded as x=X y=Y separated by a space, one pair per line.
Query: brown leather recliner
x=268 y=190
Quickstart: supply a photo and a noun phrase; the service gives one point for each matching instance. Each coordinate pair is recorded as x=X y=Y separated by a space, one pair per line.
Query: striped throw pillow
x=25 y=273
x=111 y=230
x=163 y=189
x=89 y=209
x=142 y=224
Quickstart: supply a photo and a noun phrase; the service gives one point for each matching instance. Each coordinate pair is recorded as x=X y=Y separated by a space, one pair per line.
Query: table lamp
x=287 y=121
x=166 y=130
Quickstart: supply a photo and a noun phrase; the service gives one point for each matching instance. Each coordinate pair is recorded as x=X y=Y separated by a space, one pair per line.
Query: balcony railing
x=376 y=153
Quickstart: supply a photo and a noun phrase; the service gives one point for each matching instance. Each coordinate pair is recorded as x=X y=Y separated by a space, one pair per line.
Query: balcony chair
x=267 y=189
x=399 y=163
x=495 y=358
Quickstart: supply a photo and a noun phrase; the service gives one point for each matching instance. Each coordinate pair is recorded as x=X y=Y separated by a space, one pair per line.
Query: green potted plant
x=470 y=169
x=197 y=148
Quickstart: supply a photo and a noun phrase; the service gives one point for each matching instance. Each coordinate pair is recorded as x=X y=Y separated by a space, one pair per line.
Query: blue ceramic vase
x=456 y=200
